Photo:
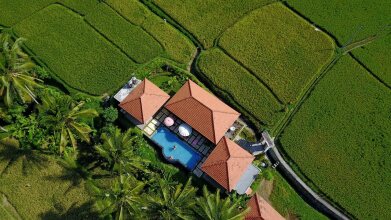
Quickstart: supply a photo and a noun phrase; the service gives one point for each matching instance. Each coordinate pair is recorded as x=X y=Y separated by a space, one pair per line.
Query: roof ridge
x=141 y=106
x=131 y=100
x=178 y=101
x=154 y=94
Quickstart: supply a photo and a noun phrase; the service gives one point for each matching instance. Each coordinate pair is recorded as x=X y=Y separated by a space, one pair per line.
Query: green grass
x=207 y=19
x=83 y=7
x=136 y=43
x=286 y=201
x=175 y=44
x=38 y=187
x=340 y=139
x=355 y=19
x=14 y=11
x=285 y=58
x=76 y=53
x=242 y=87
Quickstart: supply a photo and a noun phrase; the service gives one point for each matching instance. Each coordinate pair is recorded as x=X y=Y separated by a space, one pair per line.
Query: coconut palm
x=118 y=149
x=212 y=207
x=122 y=201
x=15 y=67
x=169 y=202
x=65 y=118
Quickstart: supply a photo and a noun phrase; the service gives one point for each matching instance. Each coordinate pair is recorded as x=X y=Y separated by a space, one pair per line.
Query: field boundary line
x=252 y=73
x=132 y=23
x=217 y=39
x=155 y=9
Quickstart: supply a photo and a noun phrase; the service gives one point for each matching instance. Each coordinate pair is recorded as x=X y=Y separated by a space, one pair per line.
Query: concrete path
x=302 y=188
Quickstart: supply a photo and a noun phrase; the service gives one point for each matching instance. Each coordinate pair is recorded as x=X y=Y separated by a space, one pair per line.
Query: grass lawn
x=243 y=89
x=279 y=48
x=81 y=57
x=355 y=19
x=286 y=201
x=177 y=47
x=340 y=140
x=207 y=19
x=39 y=188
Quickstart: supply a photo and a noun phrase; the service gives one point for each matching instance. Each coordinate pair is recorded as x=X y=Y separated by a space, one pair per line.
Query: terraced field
x=340 y=139
x=352 y=20
x=96 y=42
x=207 y=19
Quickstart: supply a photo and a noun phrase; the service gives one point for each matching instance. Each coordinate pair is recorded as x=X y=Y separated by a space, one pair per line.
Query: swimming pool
x=183 y=153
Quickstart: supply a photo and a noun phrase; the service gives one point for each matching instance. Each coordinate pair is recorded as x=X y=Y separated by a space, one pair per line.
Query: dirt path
x=266 y=188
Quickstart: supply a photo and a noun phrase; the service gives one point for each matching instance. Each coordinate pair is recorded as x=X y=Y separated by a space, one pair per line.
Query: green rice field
x=285 y=59
x=207 y=19
x=352 y=20
x=340 y=140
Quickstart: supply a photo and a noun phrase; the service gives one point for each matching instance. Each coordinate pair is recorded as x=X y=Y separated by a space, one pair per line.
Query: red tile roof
x=144 y=101
x=227 y=163
x=202 y=111
x=261 y=210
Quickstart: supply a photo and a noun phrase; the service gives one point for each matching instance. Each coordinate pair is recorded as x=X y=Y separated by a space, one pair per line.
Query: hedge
x=242 y=87
x=207 y=19
x=280 y=48
x=74 y=51
x=136 y=43
x=175 y=44
x=340 y=139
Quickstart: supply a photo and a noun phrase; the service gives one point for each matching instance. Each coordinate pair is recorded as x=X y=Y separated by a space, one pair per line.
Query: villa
x=261 y=210
x=191 y=128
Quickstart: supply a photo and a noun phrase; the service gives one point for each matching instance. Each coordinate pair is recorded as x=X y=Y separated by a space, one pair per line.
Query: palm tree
x=65 y=118
x=15 y=67
x=171 y=202
x=118 y=150
x=122 y=201
x=212 y=207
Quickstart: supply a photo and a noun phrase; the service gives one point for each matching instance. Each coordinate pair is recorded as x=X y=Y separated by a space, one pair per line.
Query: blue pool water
x=183 y=152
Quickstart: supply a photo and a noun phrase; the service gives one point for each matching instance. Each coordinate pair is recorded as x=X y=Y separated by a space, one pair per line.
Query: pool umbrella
x=184 y=130
x=168 y=121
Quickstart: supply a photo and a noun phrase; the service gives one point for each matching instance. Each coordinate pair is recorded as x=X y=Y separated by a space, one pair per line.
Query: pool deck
x=195 y=140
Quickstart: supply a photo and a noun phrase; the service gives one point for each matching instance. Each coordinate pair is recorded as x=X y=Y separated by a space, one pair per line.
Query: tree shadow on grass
x=75 y=212
x=11 y=153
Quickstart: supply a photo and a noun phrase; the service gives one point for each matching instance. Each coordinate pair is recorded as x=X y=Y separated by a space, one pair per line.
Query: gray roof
x=247 y=179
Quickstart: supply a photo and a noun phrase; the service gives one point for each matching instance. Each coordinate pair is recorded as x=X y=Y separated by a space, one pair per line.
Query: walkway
x=304 y=190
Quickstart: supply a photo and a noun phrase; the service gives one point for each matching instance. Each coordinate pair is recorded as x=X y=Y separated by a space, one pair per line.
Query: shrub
x=110 y=114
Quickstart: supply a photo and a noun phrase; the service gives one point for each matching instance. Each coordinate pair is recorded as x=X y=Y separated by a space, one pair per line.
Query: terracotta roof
x=227 y=163
x=202 y=111
x=261 y=210
x=144 y=101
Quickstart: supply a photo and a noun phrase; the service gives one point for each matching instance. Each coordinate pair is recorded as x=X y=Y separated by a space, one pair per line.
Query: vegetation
x=16 y=82
x=136 y=43
x=285 y=59
x=208 y=19
x=77 y=57
x=354 y=20
x=177 y=46
x=288 y=203
x=340 y=141
x=243 y=89
x=213 y=207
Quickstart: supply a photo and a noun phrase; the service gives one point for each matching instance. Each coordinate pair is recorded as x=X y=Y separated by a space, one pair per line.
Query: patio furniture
x=184 y=130
x=168 y=121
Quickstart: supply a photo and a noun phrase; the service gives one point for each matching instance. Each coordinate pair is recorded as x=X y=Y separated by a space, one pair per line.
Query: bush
x=267 y=42
x=110 y=114
x=74 y=51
